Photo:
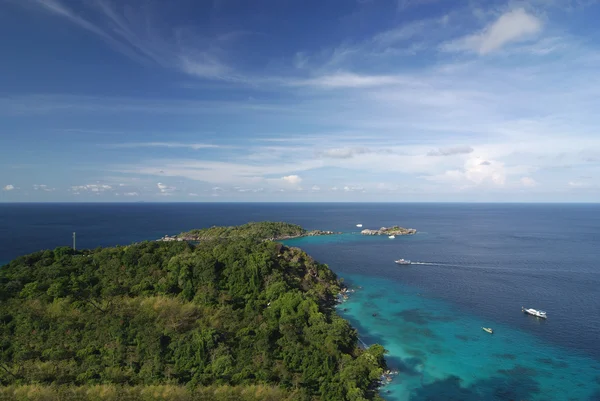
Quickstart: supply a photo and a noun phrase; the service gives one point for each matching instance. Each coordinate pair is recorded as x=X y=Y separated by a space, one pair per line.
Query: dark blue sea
x=477 y=265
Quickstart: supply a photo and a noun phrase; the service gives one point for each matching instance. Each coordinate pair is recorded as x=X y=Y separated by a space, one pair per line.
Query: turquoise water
x=440 y=349
x=444 y=354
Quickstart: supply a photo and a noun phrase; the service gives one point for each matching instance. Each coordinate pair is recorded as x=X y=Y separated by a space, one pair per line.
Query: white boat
x=534 y=312
x=402 y=262
x=392 y=237
x=488 y=329
x=359 y=225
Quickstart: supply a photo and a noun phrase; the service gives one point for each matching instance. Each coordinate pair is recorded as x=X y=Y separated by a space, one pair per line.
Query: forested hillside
x=262 y=230
x=221 y=319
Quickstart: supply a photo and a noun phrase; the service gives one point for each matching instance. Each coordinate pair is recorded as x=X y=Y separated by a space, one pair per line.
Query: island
x=234 y=316
x=271 y=231
x=395 y=230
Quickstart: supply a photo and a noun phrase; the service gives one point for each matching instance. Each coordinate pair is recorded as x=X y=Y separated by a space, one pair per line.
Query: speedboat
x=402 y=261
x=488 y=329
x=534 y=312
x=359 y=225
x=392 y=237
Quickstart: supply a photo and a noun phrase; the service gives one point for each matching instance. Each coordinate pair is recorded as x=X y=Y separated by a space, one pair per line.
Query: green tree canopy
x=228 y=313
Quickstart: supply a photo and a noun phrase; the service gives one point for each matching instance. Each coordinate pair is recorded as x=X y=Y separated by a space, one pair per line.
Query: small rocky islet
x=394 y=230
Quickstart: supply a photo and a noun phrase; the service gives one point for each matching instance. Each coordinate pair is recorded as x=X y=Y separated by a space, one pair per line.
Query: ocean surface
x=477 y=265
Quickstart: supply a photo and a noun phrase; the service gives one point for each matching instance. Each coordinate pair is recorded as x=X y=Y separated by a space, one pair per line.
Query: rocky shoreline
x=395 y=230
x=313 y=233
x=387 y=375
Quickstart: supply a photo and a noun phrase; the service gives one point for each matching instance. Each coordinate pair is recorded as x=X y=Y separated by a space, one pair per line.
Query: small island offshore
x=395 y=230
x=272 y=231
x=226 y=314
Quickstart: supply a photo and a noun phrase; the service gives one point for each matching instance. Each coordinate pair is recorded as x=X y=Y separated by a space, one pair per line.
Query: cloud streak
x=97 y=188
x=139 y=39
x=164 y=189
x=173 y=145
x=43 y=187
x=344 y=153
x=512 y=26
x=458 y=150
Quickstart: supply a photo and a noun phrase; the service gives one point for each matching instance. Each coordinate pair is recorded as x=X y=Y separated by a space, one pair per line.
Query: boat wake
x=450 y=265
x=459 y=266
x=433 y=264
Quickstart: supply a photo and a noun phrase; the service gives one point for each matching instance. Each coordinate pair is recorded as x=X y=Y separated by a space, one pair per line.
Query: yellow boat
x=489 y=330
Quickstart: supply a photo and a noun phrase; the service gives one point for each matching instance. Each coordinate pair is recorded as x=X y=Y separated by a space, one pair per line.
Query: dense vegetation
x=264 y=230
x=222 y=319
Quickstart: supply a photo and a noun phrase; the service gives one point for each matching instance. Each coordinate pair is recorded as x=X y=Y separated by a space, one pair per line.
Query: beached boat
x=392 y=237
x=534 y=312
x=359 y=225
x=402 y=262
x=488 y=329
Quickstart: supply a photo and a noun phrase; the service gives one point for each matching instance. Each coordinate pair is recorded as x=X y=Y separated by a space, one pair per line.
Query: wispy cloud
x=292 y=179
x=343 y=153
x=458 y=150
x=353 y=188
x=165 y=190
x=92 y=188
x=9 y=187
x=528 y=182
x=512 y=26
x=176 y=145
x=54 y=104
x=349 y=80
x=43 y=187
x=130 y=29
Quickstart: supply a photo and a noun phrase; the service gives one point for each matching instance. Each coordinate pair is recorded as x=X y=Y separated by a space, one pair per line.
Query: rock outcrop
x=395 y=230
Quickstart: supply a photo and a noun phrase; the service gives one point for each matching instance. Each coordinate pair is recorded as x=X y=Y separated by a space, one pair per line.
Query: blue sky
x=282 y=100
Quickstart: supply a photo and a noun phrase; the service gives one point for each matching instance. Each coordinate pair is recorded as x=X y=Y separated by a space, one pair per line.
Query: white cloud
x=528 y=182
x=9 y=187
x=579 y=184
x=43 y=187
x=349 y=80
x=353 y=188
x=165 y=189
x=194 y=146
x=458 y=150
x=343 y=153
x=92 y=188
x=193 y=194
x=512 y=26
x=131 y=194
x=292 y=179
x=316 y=188
x=473 y=173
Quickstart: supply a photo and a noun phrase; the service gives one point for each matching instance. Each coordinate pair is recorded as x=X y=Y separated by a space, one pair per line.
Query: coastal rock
x=314 y=233
x=395 y=230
